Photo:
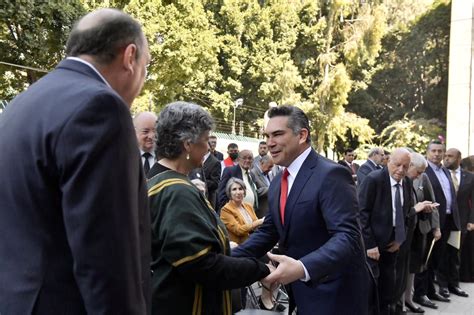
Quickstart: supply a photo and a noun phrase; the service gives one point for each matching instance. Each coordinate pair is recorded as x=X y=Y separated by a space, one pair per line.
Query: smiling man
x=313 y=217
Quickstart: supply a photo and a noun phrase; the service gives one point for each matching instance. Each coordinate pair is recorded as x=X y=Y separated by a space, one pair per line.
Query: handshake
x=287 y=270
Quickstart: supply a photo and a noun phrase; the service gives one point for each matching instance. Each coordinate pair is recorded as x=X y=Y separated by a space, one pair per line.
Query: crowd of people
x=102 y=213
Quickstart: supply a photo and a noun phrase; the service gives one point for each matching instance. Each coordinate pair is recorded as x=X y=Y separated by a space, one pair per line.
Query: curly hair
x=179 y=122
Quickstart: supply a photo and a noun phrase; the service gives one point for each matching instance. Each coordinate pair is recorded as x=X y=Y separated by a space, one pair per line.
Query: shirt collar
x=434 y=166
x=394 y=182
x=295 y=166
x=152 y=153
x=206 y=156
x=90 y=66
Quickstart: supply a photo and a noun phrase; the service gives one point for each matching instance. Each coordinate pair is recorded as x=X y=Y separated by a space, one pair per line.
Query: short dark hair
x=232 y=146
x=104 y=40
x=297 y=119
x=179 y=122
x=262 y=142
x=212 y=137
x=348 y=150
x=435 y=142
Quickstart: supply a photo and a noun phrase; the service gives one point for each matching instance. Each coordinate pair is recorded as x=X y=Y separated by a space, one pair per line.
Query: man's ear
x=129 y=57
x=304 y=134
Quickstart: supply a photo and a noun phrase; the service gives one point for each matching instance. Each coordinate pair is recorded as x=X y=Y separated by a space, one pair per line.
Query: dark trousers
x=385 y=269
x=446 y=257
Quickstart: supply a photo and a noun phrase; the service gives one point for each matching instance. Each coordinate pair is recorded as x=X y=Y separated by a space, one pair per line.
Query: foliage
x=32 y=34
x=356 y=67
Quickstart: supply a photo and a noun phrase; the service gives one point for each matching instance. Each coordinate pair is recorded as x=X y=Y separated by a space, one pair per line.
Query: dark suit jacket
x=356 y=166
x=465 y=199
x=376 y=210
x=321 y=230
x=73 y=205
x=212 y=173
x=441 y=199
x=262 y=191
x=364 y=170
x=218 y=155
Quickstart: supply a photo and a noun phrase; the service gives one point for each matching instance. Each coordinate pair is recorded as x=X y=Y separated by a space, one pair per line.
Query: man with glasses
x=144 y=123
x=373 y=163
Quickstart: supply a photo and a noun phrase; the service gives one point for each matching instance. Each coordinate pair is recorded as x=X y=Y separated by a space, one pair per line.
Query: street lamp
x=238 y=102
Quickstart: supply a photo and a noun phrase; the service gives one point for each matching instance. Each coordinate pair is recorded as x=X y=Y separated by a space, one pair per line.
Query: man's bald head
x=102 y=35
x=399 y=163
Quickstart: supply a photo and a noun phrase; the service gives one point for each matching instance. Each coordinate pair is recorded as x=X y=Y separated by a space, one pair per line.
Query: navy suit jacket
x=465 y=199
x=441 y=199
x=73 y=206
x=376 y=210
x=364 y=170
x=322 y=231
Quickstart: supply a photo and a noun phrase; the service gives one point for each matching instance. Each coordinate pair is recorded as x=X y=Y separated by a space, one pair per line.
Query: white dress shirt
x=394 y=191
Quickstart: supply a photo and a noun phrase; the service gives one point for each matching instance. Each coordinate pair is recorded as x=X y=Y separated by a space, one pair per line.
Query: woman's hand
x=257 y=223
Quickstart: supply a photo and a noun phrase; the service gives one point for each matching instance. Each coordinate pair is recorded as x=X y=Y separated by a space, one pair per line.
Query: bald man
x=73 y=203
x=385 y=200
x=145 y=130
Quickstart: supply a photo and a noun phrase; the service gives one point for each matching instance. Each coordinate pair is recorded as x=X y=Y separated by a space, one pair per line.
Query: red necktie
x=283 y=194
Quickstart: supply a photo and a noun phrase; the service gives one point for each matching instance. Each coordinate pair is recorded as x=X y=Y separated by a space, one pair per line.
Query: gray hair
x=179 y=122
x=374 y=151
x=230 y=182
x=418 y=160
x=265 y=159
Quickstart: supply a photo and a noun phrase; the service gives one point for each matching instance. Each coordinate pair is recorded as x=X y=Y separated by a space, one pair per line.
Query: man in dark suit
x=212 y=175
x=385 y=200
x=313 y=217
x=73 y=204
x=213 y=142
x=262 y=151
x=463 y=183
x=444 y=255
x=241 y=171
x=376 y=156
x=348 y=161
x=145 y=130
x=260 y=173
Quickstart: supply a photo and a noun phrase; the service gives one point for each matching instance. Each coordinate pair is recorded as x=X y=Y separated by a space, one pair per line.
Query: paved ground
x=458 y=305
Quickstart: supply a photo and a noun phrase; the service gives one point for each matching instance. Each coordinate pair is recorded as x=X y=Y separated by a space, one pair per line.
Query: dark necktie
x=146 y=164
x=252 y=187
x=283 y=194
x=400 y=234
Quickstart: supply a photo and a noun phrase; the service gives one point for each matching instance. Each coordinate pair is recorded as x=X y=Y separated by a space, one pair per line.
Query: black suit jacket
x=465 y=199
x=218 y=155
x=364 y=170
x=73 y=206
x=441 y=199
x=356 y=166
x=376 y=210
x=212 y=174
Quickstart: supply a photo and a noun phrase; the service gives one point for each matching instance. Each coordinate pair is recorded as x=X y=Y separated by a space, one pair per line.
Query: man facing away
x=145 y=129
x=73 y=204
x=313 y=218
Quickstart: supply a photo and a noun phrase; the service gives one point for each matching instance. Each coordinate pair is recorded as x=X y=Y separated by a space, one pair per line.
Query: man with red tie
x=313 y=217
x=348 y=161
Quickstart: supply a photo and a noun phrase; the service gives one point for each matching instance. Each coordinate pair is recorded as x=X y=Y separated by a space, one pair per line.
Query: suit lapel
x=298 y=186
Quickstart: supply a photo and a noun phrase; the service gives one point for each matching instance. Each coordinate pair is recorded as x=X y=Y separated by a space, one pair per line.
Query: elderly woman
x=192 y=269
x=238 y=216
x=424 y=227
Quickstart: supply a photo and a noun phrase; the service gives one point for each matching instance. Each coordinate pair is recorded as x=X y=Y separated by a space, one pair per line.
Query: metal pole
x=233 y=123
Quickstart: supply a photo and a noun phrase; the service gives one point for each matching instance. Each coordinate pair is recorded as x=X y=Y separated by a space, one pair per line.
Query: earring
x=187 y=156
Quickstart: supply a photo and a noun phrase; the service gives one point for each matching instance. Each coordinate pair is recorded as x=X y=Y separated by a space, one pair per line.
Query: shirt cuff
x=306 y=273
